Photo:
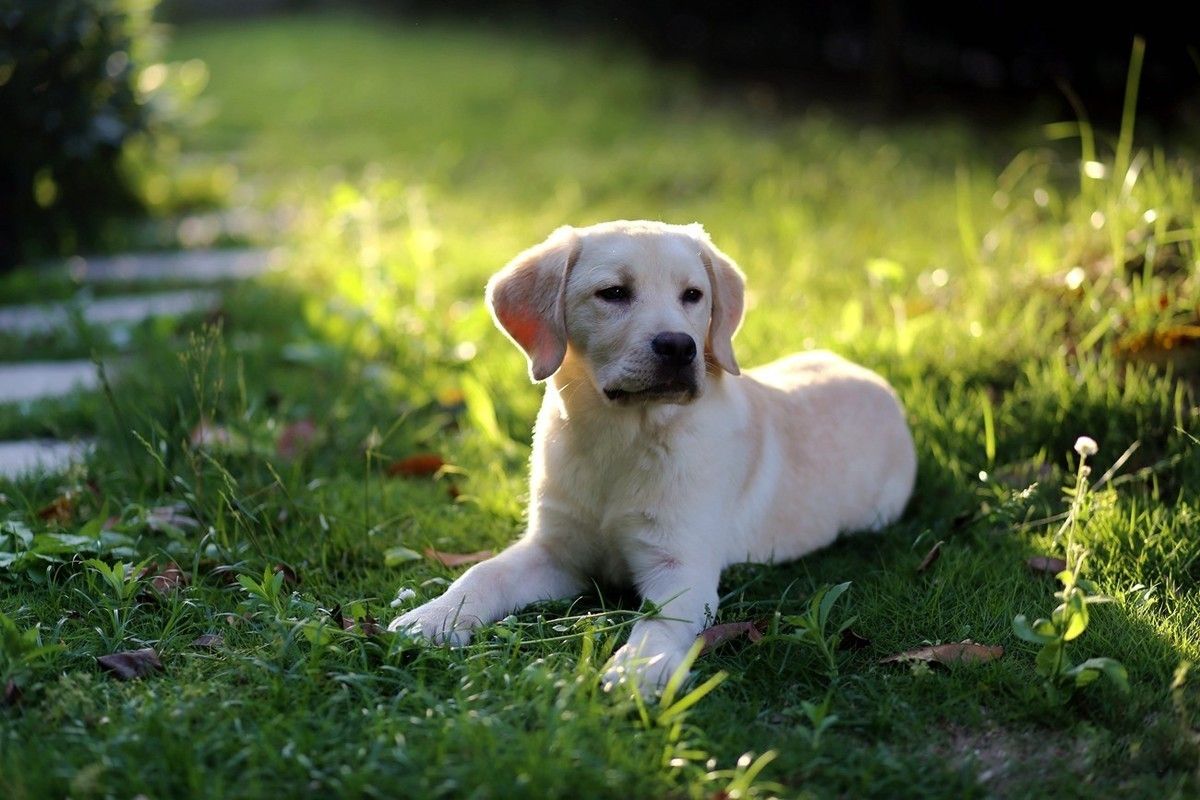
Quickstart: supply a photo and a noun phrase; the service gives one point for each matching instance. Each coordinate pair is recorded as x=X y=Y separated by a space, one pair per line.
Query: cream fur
x=662 y=492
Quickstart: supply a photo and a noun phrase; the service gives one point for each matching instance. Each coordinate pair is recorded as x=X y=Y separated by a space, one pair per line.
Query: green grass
x=417 y=161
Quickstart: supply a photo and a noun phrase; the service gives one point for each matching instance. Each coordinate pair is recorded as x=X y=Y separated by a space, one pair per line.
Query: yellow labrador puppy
x=656 y=461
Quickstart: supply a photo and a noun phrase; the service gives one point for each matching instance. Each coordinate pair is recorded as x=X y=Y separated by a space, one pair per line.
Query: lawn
x=1020 y=287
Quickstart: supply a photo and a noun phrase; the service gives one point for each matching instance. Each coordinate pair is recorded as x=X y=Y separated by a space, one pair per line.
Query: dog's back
x=845 y=453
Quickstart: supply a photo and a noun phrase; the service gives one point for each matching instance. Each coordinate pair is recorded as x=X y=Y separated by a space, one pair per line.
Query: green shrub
x=70 y=104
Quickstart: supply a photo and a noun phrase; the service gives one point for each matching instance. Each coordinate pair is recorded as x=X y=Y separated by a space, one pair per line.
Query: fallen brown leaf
x=61 y=509
x=131 y=664
x=1178 y=345
x=420 y=465
x=717 y=635
x=933 y=555
x=457 y=559
x=964 y=652
x=1047 y=564
x=166 y=579
x=367 y=626
x=226 y=573
x=209 y=641
x=290 y=578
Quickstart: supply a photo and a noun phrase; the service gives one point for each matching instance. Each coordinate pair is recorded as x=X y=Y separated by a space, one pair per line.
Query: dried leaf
x=933 y=555
x=290 y=578
x=457 y=559
x=131 y=664
x=167 y=579
x=853 y=641
x=717 y=635
x=1047 y=564
x=209 y=641
x=964 y=652
x=61 y=509
x=296 y=439
x=420 y=465
x=1178 y=345
x=367 y=626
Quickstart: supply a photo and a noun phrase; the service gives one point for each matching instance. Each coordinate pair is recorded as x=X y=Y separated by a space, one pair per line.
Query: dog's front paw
x=647 y=669
x=437 y=622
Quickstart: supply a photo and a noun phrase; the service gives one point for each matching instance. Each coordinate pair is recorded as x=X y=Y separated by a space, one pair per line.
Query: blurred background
x=97 y=102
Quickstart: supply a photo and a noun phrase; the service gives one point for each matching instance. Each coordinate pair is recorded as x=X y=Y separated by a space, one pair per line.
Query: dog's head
x=648 y=308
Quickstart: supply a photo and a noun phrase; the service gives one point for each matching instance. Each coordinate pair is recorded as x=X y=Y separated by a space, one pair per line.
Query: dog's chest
x=614 y=478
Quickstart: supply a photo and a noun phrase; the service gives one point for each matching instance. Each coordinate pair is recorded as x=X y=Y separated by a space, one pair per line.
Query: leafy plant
x=1070 y=619
x=817 y=719
x=23 y=551
x=119 y=584
x=267 y=593
x=20 y=650
x=812 y=627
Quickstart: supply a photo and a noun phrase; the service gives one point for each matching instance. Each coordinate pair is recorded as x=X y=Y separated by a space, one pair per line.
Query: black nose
x=676 y=349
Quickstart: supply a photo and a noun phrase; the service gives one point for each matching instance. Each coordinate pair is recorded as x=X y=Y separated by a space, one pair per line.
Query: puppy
x=656 y=462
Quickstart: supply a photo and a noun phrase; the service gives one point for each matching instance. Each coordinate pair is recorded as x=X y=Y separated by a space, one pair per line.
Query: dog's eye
x=615 y=294
x=691 y=295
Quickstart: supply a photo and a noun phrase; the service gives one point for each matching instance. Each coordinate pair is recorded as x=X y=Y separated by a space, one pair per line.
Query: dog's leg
x=686 y=596
x=520 y=575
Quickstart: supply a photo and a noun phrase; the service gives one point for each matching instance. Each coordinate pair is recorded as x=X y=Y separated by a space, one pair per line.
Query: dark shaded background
x=891 y=57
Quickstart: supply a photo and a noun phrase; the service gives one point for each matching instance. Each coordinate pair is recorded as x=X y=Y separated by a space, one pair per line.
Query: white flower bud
x=1086 y=446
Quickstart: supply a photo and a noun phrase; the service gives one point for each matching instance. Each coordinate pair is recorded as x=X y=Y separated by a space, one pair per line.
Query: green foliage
x=1070 y=619
x=23 y=550
x=85 y=108
x=21 y=650
x=812 y=627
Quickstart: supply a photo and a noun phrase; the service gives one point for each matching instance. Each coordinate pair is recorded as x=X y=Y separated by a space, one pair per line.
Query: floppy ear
x=728 y=301
x=526 y=300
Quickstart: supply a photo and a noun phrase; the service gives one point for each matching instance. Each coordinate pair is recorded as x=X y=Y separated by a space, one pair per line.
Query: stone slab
x=193 y=266
x=38 y=380
x=125 y=309
x=21 y=458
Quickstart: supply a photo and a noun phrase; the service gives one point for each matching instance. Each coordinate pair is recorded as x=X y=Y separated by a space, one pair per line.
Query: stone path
x=34 y=380
x=39 y=455
x=31 y=319
x=31 y=381
x=194 y=266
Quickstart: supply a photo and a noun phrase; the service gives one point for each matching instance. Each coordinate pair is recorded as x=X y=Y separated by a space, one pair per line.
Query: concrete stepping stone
x=21 y=458
x=37 y=380
x=129 y=309
x=193 y=266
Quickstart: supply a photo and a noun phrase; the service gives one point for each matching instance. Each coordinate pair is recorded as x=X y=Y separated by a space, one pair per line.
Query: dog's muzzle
x=674 y=377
